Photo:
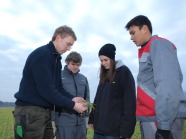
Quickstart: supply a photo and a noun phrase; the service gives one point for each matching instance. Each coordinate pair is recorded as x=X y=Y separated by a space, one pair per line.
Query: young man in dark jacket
x=41 y=88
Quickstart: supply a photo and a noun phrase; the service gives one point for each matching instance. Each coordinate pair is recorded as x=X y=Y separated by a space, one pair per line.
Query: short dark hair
x=74 y=57
x=139 y=20
x=64 y=31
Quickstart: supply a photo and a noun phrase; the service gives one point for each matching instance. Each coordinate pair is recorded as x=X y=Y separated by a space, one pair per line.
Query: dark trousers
x=35 y=123
x=100 y=136
x=71 y=132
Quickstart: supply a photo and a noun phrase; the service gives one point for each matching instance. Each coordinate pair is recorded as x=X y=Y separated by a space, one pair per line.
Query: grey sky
x=26 y=25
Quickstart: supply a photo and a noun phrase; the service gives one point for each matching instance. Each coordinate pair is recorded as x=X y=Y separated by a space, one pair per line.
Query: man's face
x=74 y=67
x=105 y=61
x=63 y=44
x=137 y=35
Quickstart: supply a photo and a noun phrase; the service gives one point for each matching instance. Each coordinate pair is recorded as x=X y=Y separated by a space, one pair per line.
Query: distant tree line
x=7 y=104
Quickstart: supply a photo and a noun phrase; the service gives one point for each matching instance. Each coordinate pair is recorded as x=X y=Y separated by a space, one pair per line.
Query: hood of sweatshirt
x=119 y=63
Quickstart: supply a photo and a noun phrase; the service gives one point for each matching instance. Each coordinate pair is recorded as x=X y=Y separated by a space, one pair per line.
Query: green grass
x=7 y=122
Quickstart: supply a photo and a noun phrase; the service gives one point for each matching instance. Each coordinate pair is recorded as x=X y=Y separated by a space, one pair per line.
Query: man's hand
x=78 y=99
x=80 y=107
x=91 y=126
x=163 y=134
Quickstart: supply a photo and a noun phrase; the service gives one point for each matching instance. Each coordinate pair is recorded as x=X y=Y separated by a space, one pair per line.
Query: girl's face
x=105 y=61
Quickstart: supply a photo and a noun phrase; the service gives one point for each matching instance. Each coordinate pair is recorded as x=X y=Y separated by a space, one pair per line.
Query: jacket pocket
x=81 y=85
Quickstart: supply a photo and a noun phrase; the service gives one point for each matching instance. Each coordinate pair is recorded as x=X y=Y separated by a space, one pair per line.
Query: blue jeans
x=100 y=136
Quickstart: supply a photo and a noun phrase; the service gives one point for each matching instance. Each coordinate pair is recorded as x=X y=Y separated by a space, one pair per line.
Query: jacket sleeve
x=42 y=72
x=92 y=112
x=128 y=120
x=167 y=81
x=87 y=91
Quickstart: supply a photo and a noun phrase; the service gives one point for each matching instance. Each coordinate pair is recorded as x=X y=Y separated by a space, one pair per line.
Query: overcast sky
x=28 y=24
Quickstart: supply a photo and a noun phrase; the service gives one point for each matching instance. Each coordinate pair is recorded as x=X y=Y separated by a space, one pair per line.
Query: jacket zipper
x=76 y=96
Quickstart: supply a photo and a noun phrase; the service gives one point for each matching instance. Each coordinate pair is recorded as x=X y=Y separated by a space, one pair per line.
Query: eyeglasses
x=69 y=44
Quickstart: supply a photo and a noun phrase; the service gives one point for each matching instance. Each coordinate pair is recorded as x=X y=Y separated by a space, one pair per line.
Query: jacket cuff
x=70 y=105
x=164 y=126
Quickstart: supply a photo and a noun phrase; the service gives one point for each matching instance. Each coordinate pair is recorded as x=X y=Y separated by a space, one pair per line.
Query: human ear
x=66 y=62
x=58 y=36
x=145 y=28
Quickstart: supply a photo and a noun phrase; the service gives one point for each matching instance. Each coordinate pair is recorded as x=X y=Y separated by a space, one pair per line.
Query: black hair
x=139 y=20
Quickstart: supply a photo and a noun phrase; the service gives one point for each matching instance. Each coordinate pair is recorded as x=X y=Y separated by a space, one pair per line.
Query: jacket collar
x=148 y=40
x=70 y=72
x=53 y=50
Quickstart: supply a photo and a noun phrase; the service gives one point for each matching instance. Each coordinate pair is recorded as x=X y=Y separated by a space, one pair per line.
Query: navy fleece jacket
x=41 y=82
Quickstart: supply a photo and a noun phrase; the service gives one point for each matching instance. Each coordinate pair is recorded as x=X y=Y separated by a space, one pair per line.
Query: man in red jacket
x=161 y=102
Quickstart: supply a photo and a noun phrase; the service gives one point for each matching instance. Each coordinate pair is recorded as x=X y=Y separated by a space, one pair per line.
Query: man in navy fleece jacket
x=41 y=88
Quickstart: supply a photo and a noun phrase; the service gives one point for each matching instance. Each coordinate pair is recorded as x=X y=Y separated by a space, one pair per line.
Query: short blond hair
x=64 y=31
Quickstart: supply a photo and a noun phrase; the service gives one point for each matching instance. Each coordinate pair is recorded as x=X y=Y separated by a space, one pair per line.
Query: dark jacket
x=115 y=105
x=77 y=85
x=41 y=81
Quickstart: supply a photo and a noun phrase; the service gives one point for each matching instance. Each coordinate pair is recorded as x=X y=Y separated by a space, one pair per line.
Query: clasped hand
x=79 y=107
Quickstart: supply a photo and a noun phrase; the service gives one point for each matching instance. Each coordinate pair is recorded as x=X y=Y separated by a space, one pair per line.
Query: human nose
x=68 y=48
x=76 y=66
x=103 y=63
x=131 y=37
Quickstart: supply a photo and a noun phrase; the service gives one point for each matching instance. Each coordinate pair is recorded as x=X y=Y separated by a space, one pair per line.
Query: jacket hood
x=119 y=63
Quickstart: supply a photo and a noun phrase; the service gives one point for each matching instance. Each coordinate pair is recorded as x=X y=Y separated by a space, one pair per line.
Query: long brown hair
x=108 y=74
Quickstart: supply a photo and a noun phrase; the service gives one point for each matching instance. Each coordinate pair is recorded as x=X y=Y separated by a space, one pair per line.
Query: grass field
x=6 y=123
x=6 y=126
